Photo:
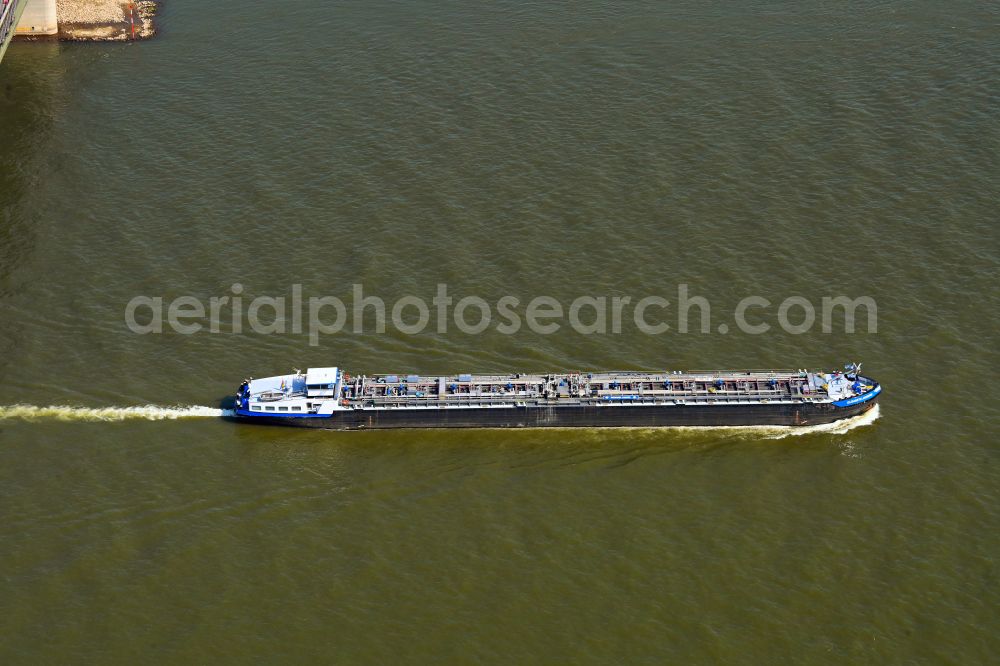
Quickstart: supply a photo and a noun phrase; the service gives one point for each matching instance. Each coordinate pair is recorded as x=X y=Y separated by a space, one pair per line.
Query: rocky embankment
x=106 y=20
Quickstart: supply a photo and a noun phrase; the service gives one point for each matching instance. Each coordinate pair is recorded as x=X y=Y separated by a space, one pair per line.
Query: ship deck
x=579 y=388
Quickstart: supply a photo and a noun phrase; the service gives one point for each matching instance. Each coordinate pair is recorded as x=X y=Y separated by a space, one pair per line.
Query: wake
x=156 y=413
x=835 y=428
x=109 y=414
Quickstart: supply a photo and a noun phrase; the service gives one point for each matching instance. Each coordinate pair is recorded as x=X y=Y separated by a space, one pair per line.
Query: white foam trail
x=106 y=414
x=157 y=413
x=835 y=428
x=765 y=431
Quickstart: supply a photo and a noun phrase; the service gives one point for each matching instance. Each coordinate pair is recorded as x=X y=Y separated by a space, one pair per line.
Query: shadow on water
x=523 y=449
x=30 y=89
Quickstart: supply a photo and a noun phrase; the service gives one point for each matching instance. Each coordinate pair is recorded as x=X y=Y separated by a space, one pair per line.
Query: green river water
x=516 y=148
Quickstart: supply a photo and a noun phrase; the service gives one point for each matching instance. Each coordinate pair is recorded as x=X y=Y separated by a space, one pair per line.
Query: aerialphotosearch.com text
x=364 y=313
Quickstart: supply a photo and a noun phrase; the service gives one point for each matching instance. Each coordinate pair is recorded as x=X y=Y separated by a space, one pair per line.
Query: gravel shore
x=91 y=11
x=105 y=20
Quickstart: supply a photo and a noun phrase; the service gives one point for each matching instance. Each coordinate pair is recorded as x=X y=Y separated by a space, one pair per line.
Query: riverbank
x=103 y=20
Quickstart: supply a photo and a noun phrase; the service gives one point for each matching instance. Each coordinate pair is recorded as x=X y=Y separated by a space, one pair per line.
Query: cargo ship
x=333 y=399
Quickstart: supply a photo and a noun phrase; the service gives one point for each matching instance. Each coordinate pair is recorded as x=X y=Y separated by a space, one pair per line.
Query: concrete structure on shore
x=76 y=20
x=39 y=18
